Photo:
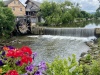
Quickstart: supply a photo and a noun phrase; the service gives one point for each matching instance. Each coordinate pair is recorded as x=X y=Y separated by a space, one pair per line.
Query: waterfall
x=76 y=32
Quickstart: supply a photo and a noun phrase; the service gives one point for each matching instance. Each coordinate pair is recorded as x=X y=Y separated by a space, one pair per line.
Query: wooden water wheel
x=22 y=26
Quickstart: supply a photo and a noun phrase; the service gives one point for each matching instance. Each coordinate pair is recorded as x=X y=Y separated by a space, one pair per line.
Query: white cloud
x=88 y=5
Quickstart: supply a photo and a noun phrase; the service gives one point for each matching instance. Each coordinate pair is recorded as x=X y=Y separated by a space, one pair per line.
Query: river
x=48 y=47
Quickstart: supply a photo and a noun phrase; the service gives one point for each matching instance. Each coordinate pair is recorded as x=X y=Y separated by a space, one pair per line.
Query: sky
x=87 y=5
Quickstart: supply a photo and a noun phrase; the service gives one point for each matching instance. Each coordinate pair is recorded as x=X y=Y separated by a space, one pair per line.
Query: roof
x=7 y=2
x=34 y=6
x=37 y=3
x=34 y=2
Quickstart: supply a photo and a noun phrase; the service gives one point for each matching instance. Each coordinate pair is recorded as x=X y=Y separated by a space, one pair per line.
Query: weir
x=76 y=32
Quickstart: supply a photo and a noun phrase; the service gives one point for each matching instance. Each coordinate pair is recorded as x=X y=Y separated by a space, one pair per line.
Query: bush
x=64 y=67
x=93 y=69
x=7 y=21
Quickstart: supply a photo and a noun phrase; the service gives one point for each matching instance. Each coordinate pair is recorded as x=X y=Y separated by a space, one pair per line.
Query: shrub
x=7 y=21
x=93 y=69
x=64 y=67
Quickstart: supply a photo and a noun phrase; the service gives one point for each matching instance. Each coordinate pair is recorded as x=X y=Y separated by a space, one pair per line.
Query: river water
x=48 y=47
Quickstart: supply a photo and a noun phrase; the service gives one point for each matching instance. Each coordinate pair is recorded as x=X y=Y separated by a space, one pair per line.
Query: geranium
x=16 y=61
x=26 y=50
x=12 y=72
x=26 y=59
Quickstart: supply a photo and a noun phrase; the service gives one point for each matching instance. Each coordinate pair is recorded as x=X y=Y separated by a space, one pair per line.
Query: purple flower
x=38 y=73
x=30 y=68
x=10 y=47
x=34 y=54
x=1 y=63
x=3 y=53
x=5 y=58
x=17 y=63
x=42 y=66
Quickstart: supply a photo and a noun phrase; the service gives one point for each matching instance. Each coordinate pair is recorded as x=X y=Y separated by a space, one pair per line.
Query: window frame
x=13 y=8
x=21 y=9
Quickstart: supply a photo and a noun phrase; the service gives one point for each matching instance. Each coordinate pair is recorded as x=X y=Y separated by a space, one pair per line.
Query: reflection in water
x=82 y=24
x=93 y=24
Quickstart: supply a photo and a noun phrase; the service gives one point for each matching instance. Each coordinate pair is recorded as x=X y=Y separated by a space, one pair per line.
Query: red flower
x=14 y=53
x=18 y=53
x=27 y=50
x=26 y=59
x=12 y=72
x=24 y=53
x=10 y=53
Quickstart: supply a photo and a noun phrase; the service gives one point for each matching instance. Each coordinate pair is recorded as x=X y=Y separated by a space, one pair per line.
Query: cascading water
x=76 y=32
x=62 y=42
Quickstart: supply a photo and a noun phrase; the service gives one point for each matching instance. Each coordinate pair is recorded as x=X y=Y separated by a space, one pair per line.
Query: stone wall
x=97 y=32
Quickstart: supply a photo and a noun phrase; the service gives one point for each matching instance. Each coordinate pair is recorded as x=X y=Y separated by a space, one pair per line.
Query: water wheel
x=22 y=26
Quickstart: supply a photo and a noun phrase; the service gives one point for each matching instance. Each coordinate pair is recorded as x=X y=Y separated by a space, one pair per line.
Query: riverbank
x=92 y=54
x=15 y=41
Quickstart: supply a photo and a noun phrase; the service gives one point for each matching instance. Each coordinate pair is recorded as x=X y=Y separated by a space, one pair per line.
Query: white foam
x=84 y=39
x=70 y=37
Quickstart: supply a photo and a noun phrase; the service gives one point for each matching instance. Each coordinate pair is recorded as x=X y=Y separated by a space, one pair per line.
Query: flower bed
x=14 y=61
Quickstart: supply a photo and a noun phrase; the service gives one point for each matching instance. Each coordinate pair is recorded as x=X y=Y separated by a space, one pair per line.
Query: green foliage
x=64 y=67
x=93 y=69
x=7 y=21
x=1 y=4
x=88 y=57
x=51 y=13
x=60 y=13
x=97 y=14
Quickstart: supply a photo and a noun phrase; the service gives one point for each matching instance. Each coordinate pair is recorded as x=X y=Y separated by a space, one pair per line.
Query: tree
x=7 y=21
x=51 y=12
x=1 y=4
x=59 y=13
x=66 y=16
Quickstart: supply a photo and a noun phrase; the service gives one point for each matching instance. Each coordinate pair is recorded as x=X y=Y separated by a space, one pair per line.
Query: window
x=13 y=8
x=20 y=9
